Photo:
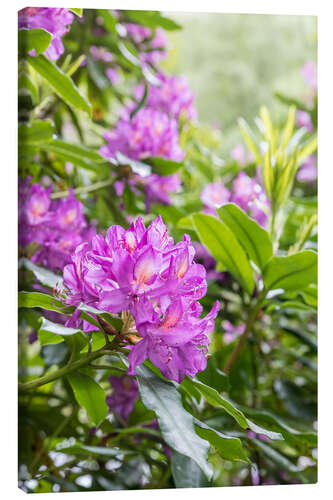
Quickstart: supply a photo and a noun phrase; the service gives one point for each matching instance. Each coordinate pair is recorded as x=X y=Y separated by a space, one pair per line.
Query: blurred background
x=235 y=63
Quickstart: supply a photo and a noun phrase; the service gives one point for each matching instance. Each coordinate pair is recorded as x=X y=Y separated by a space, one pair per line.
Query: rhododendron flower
x=142 y=36
x=157 y=284
x=113 y=75
x=124 y=395
x=58 y=227
x=303 y=119
x=213 y=196
x=55 y=21
x=249 y=195
x=101 y=54
x=309 y=72
x=239 y=154
x=149 y=133
x=308 y=170
x=231 y=331
x=173 y=96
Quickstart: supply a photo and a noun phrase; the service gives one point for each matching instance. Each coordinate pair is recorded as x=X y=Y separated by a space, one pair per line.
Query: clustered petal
x=55 y=21
x=143 y=273
x=58 y=227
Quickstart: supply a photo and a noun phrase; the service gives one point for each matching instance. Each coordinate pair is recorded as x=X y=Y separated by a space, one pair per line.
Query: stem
x=28 y=386
x=249 y=324
x=83 y=189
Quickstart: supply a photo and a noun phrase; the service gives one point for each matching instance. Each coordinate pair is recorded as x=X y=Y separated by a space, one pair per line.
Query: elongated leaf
x=225 y=248
x=276 y=457
x=26 y=85
x=76 y=154
x=109 y=20
x=62 y=84
x=249 y=139
x=175 y=422
x=163 y=166
x=90 y=396
x=186 y=473
x=253 y=238
x=101 y=451
x=227 y=447
x=44 y=276
x=294 y=272
x=289 y=126
x=141 y=102
x=36 y=39
x=37 y=299
x=138 y=167
x=49 y=326
x=215 y=399
x=37 y=132
x=308 y=149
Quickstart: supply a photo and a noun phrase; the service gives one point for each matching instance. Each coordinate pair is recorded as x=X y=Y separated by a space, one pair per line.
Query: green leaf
x=35 y=133
x=289 y=127
x=109 y=20
x=37 y=299
x=78 y=12
x=55 y=328
x=138 y=167
x=44 y=276
x=163 y=166
x=253 y=238
x=48 y=338
x=308 y=148
x=276 y=457
x=293 y=272
x=152 y=19
x=78 y=155
x=229 y=448
x=225 y=248
x=186 y=473
x=215 y=399
x=175 y=422
x=249 y=139
x=36 y=39
x=90 y=396
x=142 y=101
x=62 y=84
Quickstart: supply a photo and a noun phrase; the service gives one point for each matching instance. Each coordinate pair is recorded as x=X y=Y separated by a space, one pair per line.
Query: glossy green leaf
x=293 y=272
x=186 y=473
x=35 y=133
x=51 y=327
x=249 y=139
x=225 y=248
x=26 y=85
x=229 y=448
x=78 y=155
x=37 y=299
x=215 y=399
x=175 y=422
x=152 y=19
x=36 y=39
x=90 y=396
x=308 y=148
x=276 y=457
x=253 y=238
x=163 y=166
x=62 y=84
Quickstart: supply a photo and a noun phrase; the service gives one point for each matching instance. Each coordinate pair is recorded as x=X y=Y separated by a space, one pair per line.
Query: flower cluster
x=53 y=20
x=57 y=227
x=173 y=96
x=246 y=192
x=149 y=133
x=308 y=170
x=152 y=47
x=156 y=286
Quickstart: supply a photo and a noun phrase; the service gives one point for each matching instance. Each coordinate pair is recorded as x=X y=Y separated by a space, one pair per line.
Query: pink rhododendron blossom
x=213 y=196
x=309 y=72
x=239 y=154
x=143 y=37
x=100 y=54
x=308 y=170
x=303 y=119
x=149 y=133
x=124 y=395
x=113 y=75
x=55 y=21
x=173 y=96
x=141 y=272
x=58 y=227
x=249 y=195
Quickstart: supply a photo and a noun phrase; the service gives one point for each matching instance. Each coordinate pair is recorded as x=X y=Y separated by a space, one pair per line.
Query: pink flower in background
x=157 y=282
x=113 y=75
x=100 y=54
x=249 y=195
x=173 y=97
x=308 y=171
x=149 y=133
x=213 y=196
x=309 y=72
x=231 y=331
x=142 y=36
x=239 y=154
x=158 y=188
x=125 y=394
x=303 y=119
x=58 y=227
x=55 y=21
